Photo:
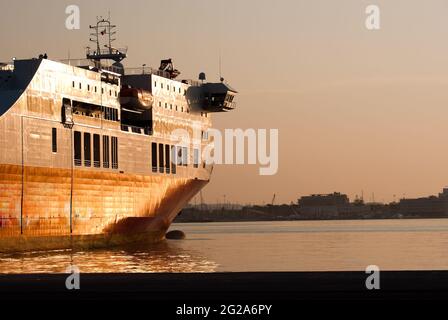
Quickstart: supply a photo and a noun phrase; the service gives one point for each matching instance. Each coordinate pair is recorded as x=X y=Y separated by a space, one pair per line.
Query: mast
x=103 y=35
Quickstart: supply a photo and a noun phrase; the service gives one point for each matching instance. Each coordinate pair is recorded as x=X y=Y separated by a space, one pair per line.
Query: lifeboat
x=135 y=98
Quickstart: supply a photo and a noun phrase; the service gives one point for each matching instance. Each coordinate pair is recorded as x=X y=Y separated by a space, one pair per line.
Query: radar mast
x=103 y=35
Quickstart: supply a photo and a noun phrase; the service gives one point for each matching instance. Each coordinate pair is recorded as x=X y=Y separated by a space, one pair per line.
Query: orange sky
x=356 y=109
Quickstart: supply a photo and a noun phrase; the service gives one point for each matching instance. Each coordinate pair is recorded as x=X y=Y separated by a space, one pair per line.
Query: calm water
x=263 y=246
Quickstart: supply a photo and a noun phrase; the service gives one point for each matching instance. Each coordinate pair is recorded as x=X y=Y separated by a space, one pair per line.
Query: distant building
x=433 y=205
x=316 y=200
x=324 y=205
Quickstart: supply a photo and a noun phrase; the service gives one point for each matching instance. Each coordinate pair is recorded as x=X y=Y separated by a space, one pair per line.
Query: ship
x=89 y=155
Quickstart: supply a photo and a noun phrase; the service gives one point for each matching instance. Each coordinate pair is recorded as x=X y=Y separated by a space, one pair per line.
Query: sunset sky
x=356 y=109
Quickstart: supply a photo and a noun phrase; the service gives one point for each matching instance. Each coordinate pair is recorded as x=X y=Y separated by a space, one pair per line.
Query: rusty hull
x=137 y=208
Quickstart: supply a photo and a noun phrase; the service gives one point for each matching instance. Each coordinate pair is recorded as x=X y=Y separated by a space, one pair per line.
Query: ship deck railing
x=106 y=51
x=137 y=130
x=146 y=71
x=87 y=63
x=6 y=66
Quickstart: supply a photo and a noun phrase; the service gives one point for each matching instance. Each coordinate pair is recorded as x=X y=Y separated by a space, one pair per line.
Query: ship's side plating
x=72 y=173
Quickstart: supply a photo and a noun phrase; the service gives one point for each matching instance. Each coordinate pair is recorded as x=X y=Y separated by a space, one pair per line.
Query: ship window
x=95 y=89
x=167 y=87
x=115 y=93
x=96 y=151
x=155 y=84
x=171 y=106
x=182 y=109
x=86 y=109
x=174 y=89
x=179 y=157
x=110 y=93
x=102 y=90
x=54 y=140
x=161 y=161
x=179 y=90
x=184 y=156
x=73 y=84
x=114 y=153
x=88 y=87
x=80 y=86
x=167 y=159
x=110 y=114
x=161 y=85
x=154 y=156
x=106 y=148
x=176 y=108
x=87 y=150
x=67 y=111
x=196 y=158
x=77 y=146
x=166 y=105
x=160 y=103
x=173 y=159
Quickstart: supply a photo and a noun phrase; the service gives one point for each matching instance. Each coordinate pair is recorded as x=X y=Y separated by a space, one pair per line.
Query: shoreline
x=314 y=219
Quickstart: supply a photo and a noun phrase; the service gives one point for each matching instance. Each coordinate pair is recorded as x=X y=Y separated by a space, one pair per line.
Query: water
x=263 y=246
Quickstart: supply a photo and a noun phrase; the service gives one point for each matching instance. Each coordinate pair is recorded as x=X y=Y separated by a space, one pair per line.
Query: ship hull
x=23 y=244
x=48 y=208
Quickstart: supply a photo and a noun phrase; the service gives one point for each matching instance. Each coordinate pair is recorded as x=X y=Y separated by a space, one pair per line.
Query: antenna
x=220 y=67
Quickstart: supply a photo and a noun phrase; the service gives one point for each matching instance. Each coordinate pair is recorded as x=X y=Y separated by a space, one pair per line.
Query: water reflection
x=263 y=246
x=167 y=256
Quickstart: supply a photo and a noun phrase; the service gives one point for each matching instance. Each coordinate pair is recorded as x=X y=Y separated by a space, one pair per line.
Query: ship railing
x=87 y=63
x=147 y=71
x=231 y=105
x=78 y=62
x=6 y=66
x=106 y=51
x=139 y=130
